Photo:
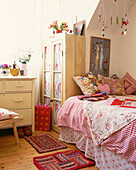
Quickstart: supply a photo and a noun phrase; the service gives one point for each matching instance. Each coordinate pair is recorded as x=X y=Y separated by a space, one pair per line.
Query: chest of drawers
x=18 y=94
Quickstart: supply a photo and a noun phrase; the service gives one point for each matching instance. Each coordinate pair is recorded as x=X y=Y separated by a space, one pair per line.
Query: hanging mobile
x=103 y=29
x=100 y=15
x=111 y=15
x=117 y=19
x=111 y=20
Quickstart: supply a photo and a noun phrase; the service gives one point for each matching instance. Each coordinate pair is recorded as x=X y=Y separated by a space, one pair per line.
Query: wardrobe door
x=57 y=81
x=47 y=74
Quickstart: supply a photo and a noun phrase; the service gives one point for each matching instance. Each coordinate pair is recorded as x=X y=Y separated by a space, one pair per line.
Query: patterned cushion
x=6 y=114
x=114 y=76
x=103 y=88
x=87 y=83
x=130 y=84
x=117 y=86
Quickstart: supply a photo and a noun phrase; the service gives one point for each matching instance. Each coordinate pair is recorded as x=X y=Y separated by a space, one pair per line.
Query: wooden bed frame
x=13 y=121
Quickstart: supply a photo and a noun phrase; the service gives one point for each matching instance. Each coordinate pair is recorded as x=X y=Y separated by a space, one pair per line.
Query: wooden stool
x=13 y=121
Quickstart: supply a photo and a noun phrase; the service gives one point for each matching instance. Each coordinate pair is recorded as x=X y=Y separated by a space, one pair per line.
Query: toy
x=124 y=25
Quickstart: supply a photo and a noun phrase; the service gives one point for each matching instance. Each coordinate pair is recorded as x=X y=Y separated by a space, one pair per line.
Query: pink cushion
x=104 y=87
x=130 y=84
x=6 y=114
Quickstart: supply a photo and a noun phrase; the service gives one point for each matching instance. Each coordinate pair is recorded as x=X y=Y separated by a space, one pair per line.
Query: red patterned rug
x=68 y=160
x=45 y=143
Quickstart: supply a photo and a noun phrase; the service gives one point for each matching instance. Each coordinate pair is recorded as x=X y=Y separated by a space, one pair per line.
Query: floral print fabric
x=57 y=57
x=87 y=83
x=57 y=85
x=47 y=83
x=7 y=114
x=57 y=106
x=105 y=119
x=117 y=86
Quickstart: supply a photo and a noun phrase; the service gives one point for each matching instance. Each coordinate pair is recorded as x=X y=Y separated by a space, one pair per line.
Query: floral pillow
x=7 y=114
x=117 y=86
x=87 y=83
x=130 y=84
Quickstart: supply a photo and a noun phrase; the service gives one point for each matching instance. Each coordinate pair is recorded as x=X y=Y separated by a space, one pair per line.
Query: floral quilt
x=104 y=119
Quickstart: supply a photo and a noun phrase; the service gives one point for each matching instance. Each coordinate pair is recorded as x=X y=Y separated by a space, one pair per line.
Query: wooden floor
x=20 y=157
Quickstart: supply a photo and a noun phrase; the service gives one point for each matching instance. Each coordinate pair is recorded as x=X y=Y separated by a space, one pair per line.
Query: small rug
x=67 y=160
x=45 y=143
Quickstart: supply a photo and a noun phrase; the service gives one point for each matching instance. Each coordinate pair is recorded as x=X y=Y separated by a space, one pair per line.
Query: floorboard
x=20 y=157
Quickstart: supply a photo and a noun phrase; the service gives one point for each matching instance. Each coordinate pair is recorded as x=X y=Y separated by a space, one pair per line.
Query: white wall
x=124 y=49
x=16 y=26
x=83 y=9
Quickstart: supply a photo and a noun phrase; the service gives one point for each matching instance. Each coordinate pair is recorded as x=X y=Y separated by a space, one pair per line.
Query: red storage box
x=43 y=117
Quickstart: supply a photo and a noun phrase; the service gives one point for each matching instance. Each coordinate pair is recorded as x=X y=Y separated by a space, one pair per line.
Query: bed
x=106 y=133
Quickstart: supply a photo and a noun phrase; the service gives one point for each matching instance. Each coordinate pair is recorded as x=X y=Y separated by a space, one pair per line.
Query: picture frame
x=79 y=27
x=100 y=56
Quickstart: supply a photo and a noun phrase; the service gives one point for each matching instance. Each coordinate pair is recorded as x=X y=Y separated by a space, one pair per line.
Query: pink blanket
x=121 y=142
x=71 y=115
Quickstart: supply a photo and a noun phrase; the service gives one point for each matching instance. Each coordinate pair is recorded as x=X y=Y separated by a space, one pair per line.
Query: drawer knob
x=18 y=100
x=19 y=85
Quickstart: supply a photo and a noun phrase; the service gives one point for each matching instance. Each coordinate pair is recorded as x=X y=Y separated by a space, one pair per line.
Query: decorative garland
x=124 y=19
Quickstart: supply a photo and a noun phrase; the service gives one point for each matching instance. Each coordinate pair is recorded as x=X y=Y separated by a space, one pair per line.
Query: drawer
x=27 y=118
x=1 y=87
x=16 y=101
x=20 y=85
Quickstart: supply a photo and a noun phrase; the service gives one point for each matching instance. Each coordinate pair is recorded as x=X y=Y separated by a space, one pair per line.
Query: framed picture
x=100 y=56
x=79 y=27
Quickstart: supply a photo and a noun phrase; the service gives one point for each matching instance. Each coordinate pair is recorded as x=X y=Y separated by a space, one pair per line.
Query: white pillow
x=7 y=114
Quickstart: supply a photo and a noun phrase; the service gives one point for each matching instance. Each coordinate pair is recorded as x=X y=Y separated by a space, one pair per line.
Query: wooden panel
x=70 y=67
x=18 y=85
x=27 y=117
x=80 y=55
x=4 y=124
x=16 y=101
x=80 y=59
x=0 y=86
